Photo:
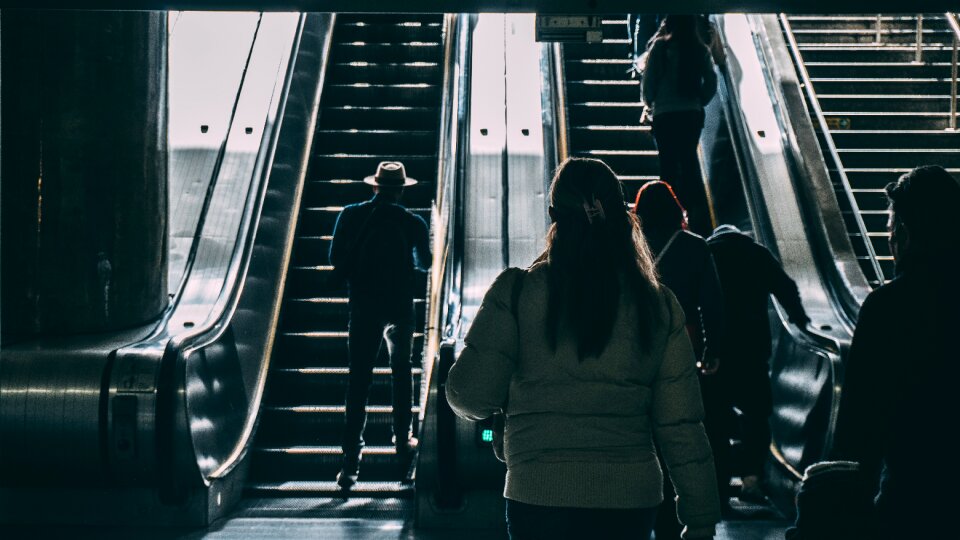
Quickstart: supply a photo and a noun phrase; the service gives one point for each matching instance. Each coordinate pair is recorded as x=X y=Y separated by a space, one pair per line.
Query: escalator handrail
x=831 y=146
x=447 y=278
x=180 y=347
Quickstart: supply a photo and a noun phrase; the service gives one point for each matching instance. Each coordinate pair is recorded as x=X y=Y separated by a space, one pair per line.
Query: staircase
x=885 y=111
x=381 y=101
x=603 y=108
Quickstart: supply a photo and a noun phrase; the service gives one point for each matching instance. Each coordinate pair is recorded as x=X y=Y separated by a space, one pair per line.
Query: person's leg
x=399 y=340
x=717 y=425
x=363 y=344
x=755 y=403
x=532 y=522
x=614 y=523
x=688 y=183
x=665 y=134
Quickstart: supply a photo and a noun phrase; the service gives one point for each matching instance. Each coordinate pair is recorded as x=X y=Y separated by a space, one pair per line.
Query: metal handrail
x=831 y=146
x=919 y=54
x=954 y=23
x=563 y=144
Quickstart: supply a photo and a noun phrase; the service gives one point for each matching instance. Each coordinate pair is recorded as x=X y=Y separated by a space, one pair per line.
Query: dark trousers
x=677 y=135
x=748 y=389
x=532 y=522
x=369 y=328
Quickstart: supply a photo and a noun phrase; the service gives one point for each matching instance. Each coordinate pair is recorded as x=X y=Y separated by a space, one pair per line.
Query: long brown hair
x=592 y=242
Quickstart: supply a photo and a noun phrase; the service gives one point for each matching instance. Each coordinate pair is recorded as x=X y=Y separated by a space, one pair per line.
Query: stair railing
x=832 y=147
x=954 y=23
x=919 y=56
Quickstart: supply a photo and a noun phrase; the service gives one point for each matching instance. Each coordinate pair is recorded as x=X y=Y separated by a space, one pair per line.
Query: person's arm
x=860 y=420
x=340 y=245
x=421 y=245
x=677 y=414
x=479 y=381
x=785 y=290
x=652 y=72
x=711 y=311
x=709 y=86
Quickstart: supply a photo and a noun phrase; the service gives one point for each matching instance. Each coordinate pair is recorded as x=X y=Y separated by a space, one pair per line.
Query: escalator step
x=360 y=165
x=379 y=117
x=308 y=350
x=377 y=141
x=310 y=489
x=359 y=51
x=320 y=192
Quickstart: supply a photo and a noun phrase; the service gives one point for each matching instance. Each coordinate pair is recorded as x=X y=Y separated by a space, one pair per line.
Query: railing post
x=953 y=84
x=919 y=57
x=879 y=28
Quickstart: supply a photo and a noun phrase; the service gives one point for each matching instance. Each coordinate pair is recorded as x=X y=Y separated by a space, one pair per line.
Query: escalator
x=381 y=101
x=878 y=94
x=603 y=108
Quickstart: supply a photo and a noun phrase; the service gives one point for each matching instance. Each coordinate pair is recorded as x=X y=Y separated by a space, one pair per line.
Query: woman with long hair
x=589 y=359
x=678 y=81
x=686 y=267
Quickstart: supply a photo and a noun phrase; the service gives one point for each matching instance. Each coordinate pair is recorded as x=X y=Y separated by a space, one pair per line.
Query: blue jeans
x=532 y=522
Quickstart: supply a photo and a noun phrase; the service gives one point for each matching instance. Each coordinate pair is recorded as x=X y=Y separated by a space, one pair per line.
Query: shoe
x=348 y=474
x=750 y=491
x=407 y=447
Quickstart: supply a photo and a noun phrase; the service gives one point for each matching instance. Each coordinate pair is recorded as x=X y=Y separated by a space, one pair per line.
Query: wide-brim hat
x=390 y=174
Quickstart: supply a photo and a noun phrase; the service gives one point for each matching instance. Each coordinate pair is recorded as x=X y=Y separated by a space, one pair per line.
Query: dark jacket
x=687 y=269
x=749 y=274
x=899 y=400
x=348 y=233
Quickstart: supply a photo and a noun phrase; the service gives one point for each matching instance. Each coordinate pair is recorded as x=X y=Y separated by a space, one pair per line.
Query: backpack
x=382 y=254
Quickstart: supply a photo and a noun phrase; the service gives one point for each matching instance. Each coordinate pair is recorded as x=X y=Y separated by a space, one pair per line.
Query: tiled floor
x=339 y=519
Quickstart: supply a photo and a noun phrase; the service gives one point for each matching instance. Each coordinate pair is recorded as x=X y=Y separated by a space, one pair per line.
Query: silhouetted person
x=899 y=399
x=374 y=244
x=749 y=274
x=678 y=81
x=686 y=268
x=592 y=366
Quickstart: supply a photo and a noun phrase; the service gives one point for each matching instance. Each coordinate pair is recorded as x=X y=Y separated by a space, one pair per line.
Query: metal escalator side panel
x=806 y=367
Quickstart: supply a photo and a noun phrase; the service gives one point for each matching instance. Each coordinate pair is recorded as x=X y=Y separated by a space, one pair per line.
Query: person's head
x=659 y=209
x=592 y=242
x=682 y=33
x=389 y=180
x=923 y=207
x=677 y=27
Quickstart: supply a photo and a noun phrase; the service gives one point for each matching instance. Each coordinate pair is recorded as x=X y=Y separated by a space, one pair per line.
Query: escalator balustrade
x=380 y=101
x=886 y=111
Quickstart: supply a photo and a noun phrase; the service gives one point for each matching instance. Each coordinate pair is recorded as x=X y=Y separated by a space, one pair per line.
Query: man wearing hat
x=377 y=246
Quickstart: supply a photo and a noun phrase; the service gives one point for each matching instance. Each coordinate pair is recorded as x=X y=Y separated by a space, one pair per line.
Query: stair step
x=889 y=120
x=315 y=488
x=413 y=51
x=612 y=137
x=320 y=313
x=343 y=191
x=865 y=139
x=377 y=141
x=413 y=94
x=389 y=32
x=884 y=102
x=900 y=157
x=359 y=164
x=373 y=117
x=385 y=72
